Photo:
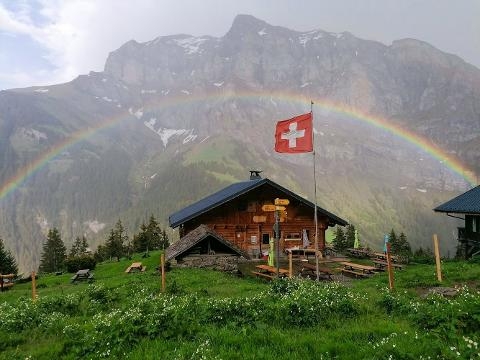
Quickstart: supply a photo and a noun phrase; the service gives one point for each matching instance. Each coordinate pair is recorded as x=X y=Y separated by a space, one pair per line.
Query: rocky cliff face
x=178 y=117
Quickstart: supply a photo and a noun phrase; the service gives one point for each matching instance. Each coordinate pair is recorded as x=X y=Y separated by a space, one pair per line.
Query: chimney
x=255 y=174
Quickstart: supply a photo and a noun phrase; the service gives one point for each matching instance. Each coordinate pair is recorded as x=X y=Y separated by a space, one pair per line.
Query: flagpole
x=315 y=195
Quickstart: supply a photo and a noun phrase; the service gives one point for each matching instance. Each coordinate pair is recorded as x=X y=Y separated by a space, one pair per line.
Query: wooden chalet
x=235 y=215
x=466 y=207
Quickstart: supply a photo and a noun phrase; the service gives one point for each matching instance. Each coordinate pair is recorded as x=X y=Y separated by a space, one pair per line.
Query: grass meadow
x=206 y=314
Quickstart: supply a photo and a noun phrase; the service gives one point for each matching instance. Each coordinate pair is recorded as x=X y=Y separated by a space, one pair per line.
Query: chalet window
x=474 y=224
x=293 y=236
x=242 y=206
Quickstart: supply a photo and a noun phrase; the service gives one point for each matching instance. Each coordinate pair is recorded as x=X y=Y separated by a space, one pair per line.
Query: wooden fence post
x=389 y=267
x=290 y=265
x=34 y=287
x=162 y=262
x=437 y=258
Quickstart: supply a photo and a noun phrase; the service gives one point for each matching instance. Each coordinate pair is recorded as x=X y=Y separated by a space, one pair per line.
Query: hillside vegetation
x=211 y=315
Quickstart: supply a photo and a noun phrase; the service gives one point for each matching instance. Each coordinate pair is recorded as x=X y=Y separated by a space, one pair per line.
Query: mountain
x=176 y=118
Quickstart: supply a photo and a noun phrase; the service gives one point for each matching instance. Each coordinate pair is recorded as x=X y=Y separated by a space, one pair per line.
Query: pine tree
x=8 y=264
x=404 y=249
x=165 y=241
x=339 y=241
x=79 y=247
x=393 y=241
x=350 y=236
x=149 y=237
x=116 y=241
x=54 y=252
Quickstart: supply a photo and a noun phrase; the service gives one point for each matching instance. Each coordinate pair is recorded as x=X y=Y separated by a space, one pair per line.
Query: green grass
x=212 y=315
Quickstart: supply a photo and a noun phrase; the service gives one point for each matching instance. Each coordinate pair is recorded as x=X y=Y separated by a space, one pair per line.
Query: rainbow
x=448 y=160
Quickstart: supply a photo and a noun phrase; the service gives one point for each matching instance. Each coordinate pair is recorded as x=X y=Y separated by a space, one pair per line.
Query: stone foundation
x=227 y=263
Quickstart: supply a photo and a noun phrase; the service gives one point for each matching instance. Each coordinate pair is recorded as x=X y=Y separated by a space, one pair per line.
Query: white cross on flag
x=294 y=135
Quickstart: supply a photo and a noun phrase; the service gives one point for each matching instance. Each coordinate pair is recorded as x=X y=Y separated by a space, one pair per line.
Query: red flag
x=294 y=135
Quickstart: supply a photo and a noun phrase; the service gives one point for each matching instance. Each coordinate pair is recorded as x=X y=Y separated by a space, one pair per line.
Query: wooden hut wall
x=235 y=222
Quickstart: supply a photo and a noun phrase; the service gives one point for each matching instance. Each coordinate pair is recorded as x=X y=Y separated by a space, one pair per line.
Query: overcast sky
x=51 y=41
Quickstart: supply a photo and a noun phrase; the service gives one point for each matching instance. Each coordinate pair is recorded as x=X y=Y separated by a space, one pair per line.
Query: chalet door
x=265 y=239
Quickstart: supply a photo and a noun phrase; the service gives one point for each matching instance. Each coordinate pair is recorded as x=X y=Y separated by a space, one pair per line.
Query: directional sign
x=268 y=208
x=259 y=219
x=282 y=201
x=280 y=207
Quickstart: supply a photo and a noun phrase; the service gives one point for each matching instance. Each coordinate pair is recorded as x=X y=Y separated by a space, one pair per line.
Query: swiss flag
x=294 y=135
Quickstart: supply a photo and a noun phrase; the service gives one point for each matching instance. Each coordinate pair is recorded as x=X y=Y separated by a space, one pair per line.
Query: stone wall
x=227 y=263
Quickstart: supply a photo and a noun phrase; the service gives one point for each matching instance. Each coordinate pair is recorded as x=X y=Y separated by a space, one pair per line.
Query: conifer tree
x=79 y=247
x=403 y=248
x=54 y=252
x=350 y=236
x=339 y=241
x=8 y=264
x=392 y=239
x=116 y=241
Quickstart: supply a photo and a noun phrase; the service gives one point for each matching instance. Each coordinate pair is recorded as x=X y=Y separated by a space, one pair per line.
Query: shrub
x=73 y=264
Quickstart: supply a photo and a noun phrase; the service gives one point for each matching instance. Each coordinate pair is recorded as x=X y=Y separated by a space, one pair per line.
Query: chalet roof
x=233 y=191
x=466 y=203
x=196 y=236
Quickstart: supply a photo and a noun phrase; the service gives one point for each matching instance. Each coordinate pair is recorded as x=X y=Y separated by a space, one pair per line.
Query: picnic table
x=82 y=275
x=382 y=265
x=269 y=272
x=383 y=257
x=311 y=271
x=360 y=253
x=358 y=270
x=136 y=267
x=296 y=251
x=6 y=281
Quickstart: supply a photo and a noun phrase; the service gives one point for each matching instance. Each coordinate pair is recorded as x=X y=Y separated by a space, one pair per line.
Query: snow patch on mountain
x=218 y=84
x=190 y=44
x=148 y=91
x=41 y=90
x=186 y=92
x=33 y=134
x=138 y=114
x=165 y=134
x=422 y=190
x=94 y=226
x=262 y=32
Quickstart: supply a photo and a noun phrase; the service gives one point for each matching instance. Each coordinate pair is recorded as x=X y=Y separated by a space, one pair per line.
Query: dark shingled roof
x=466 y=203
x=236 y=190
x=196 y=236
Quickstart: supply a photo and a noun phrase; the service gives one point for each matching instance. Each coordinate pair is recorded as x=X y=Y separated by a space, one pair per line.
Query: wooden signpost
x=34 y=287
x=389 y=267
x=162 y=266
x=437 y=258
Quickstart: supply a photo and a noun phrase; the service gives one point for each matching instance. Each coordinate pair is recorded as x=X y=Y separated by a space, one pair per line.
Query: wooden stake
x=162 y=262
x=437 y=257
x=290 y=265
x=34 y=287
x=389 y=267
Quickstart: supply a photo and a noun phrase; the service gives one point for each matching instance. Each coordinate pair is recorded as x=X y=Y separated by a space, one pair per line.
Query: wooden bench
x=6 y=281
x=310 y=270
x=353 y=272
x=266 y=276
x=382 y=265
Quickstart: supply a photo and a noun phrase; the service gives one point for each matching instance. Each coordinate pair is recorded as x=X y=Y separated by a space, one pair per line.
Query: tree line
x=399 y=245
x=8 y=264
x=55 y=258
